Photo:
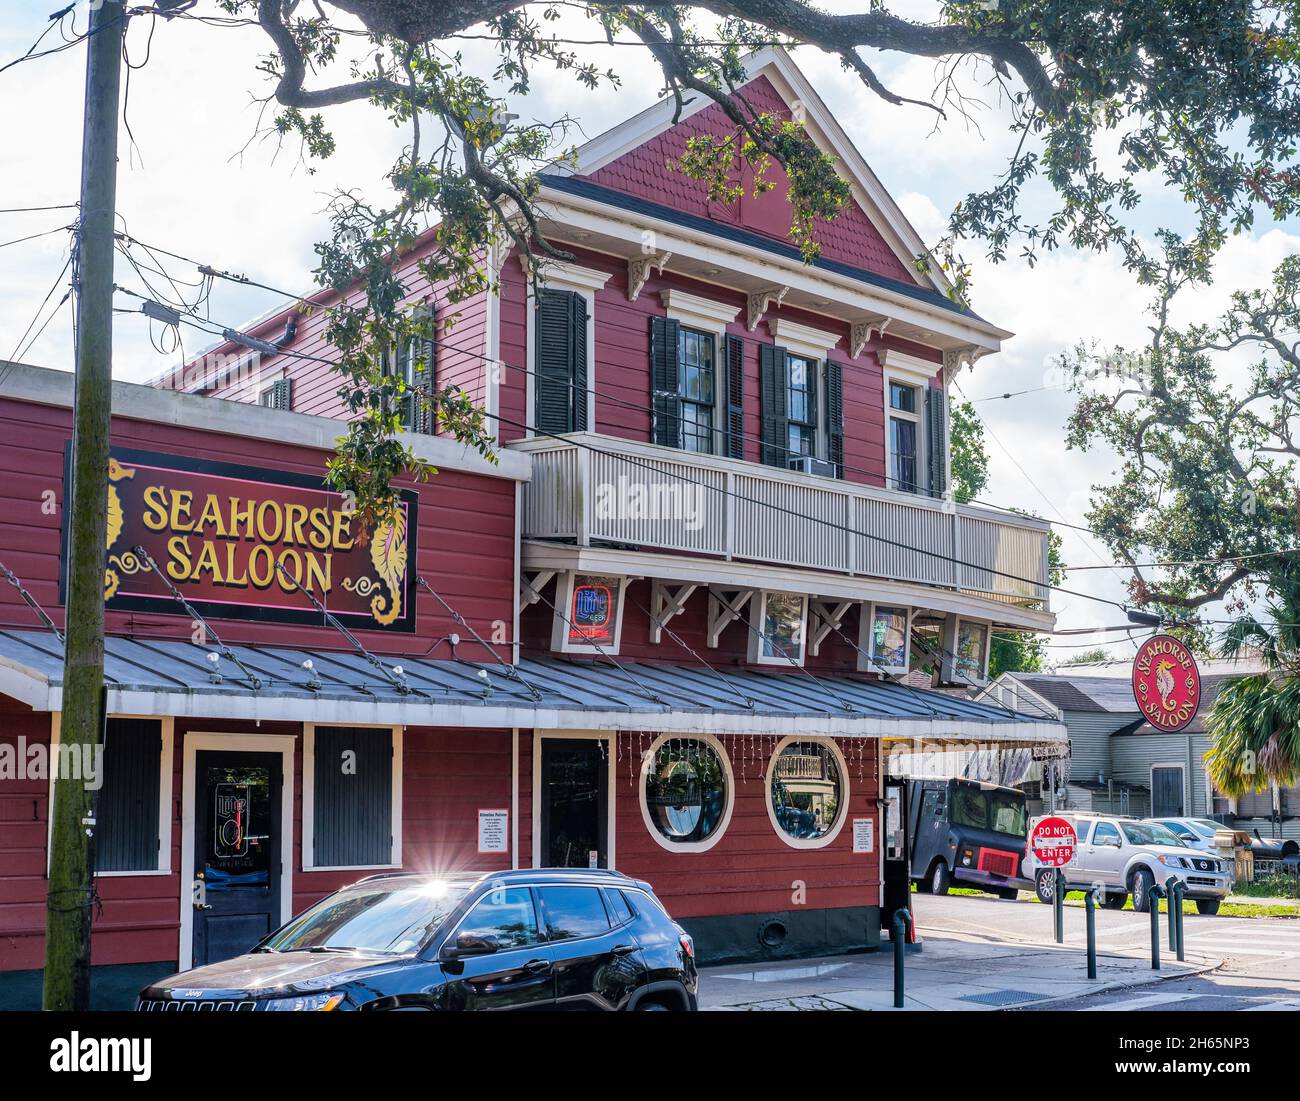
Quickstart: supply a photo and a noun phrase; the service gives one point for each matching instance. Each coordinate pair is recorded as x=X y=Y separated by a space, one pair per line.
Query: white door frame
x=609 y=737
x=195 y=741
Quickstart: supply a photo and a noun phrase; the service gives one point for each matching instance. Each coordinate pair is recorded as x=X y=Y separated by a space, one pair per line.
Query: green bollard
x=902 y=921
x=1090 y=910
x=1171 y=892
x=1058 y=905
x=1156 y=895
x=1182 y=940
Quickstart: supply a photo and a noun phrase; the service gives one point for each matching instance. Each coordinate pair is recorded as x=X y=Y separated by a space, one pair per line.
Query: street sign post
x=1053 y=842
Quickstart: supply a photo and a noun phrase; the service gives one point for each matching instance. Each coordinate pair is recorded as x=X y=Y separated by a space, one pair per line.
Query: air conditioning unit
x=806 y=464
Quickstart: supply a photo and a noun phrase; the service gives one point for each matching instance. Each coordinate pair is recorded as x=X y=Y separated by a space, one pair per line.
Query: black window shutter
x=353 y=810
x=665 y=379
x=734 y=361
x=772 y=369
x=560 y=363
x=835 y=415
x=279 y=395
x=424 y=375
x=936 y=444
x=578 y=365
x=126 y=836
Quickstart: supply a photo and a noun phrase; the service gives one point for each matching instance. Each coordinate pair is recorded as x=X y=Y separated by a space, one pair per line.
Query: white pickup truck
x=1128 y=856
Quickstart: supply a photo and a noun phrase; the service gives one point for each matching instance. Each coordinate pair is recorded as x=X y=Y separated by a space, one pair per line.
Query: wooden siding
x=465 y=547
x=621 y=362
x=447 y=775
x=646 y=173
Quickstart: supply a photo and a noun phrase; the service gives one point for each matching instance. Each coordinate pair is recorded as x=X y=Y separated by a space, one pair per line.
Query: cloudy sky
x=196 y=181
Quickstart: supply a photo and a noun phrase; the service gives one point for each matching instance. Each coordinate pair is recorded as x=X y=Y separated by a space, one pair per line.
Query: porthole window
x=807 y=791
x=687 y=791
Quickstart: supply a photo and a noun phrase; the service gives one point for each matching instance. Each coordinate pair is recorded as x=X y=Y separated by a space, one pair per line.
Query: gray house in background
x=1120 y=764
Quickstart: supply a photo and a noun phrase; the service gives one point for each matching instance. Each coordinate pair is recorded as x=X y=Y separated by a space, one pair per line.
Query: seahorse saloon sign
x=244 y=543
x=1166 y=683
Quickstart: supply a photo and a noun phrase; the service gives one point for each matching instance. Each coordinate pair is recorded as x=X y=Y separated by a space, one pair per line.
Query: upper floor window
x=904 y=438
x=801 y=403
x=802 y=399
x=916 y=424
x=279 y=395
x=697 y=388
x=560 y=383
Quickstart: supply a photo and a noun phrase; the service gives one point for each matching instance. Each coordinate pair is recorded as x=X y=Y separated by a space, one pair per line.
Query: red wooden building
x=662 y=634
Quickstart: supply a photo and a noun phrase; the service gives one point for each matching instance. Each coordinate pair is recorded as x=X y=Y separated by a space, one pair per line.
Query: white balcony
x=591 y=489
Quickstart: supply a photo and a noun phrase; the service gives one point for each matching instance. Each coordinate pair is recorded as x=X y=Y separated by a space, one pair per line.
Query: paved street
x=989 y=954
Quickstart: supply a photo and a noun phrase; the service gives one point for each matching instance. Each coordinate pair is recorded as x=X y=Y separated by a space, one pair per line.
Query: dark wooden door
x=236 y=852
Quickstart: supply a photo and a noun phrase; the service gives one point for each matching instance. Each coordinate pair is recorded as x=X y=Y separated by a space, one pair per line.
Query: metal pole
x=1090 y=910
x=1171 y=894
x=1156 y=895
x=1182 y=941
x=1058 y=905
x=902 y=921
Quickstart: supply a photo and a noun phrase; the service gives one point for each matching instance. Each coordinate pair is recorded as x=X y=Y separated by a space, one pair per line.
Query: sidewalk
x=954 y=971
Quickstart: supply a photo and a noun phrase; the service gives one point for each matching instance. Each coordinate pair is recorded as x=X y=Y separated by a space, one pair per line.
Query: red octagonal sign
x=1166 y=683
x=1053 y=842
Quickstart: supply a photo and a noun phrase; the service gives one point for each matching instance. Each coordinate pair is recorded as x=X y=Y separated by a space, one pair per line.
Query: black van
x=967 y=832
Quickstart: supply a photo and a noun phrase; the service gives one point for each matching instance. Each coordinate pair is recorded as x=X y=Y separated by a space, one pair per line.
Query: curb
x=1118 y=984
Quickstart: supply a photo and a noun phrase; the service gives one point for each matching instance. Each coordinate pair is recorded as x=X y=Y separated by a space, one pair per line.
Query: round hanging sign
x=1166 y=683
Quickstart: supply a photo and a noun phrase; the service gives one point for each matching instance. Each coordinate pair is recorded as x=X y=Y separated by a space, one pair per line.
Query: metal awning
x=149 y=677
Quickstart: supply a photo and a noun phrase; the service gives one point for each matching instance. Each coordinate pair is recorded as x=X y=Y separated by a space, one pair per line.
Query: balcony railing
x=588 y=488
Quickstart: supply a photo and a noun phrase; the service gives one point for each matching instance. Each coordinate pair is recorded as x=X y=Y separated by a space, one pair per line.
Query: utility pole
x=68 y=908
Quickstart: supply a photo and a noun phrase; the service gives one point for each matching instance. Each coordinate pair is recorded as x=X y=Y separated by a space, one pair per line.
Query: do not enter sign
x=1053 y=842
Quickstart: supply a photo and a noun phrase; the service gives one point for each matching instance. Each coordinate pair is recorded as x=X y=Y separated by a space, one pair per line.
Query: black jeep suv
x=558 y=938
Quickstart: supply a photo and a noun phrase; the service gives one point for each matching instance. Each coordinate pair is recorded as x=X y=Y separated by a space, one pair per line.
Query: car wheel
x=1045 y=885
x=1010 y=894
x=1207 y=906
x=940 y=879
x=1140 y=887
x=1116 y=902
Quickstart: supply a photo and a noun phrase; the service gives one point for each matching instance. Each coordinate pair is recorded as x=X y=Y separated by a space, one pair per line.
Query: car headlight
x=317 y=1003
x=1172 y=861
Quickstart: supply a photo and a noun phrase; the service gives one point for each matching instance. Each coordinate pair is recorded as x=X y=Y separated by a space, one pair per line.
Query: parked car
x=969 y=833
x=1130 y=856
x=1196 y=833
x=537 y=939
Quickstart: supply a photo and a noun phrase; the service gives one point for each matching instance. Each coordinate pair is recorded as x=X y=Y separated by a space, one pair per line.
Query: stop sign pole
x=1053 y=842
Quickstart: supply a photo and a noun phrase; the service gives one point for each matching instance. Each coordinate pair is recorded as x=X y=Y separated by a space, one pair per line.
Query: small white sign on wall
x=493 y=831
x=864 y=835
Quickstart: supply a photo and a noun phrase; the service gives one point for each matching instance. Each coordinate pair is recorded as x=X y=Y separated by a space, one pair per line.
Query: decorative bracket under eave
x=760 y=301
x=827 y=617
x=638 y=272
x=860 y=332
x=725 y=609
x=665 y=604
x=953 y=360
x=531 y=591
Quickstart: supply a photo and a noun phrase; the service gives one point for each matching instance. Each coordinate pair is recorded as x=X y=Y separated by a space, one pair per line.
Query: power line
x=32 y=209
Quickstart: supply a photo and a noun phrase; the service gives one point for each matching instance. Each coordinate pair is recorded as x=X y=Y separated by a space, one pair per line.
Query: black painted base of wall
x=784 y=935
x=112 y=986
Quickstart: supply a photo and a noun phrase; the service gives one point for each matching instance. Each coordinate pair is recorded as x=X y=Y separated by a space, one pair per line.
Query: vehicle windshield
x=1204 y=827
x=1007 y=813
x=970 y=807
x=979 y=809
x=390 y=916
x=1150 y=833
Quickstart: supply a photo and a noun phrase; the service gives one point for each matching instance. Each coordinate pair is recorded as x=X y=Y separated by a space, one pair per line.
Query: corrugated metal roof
x=175 y=677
